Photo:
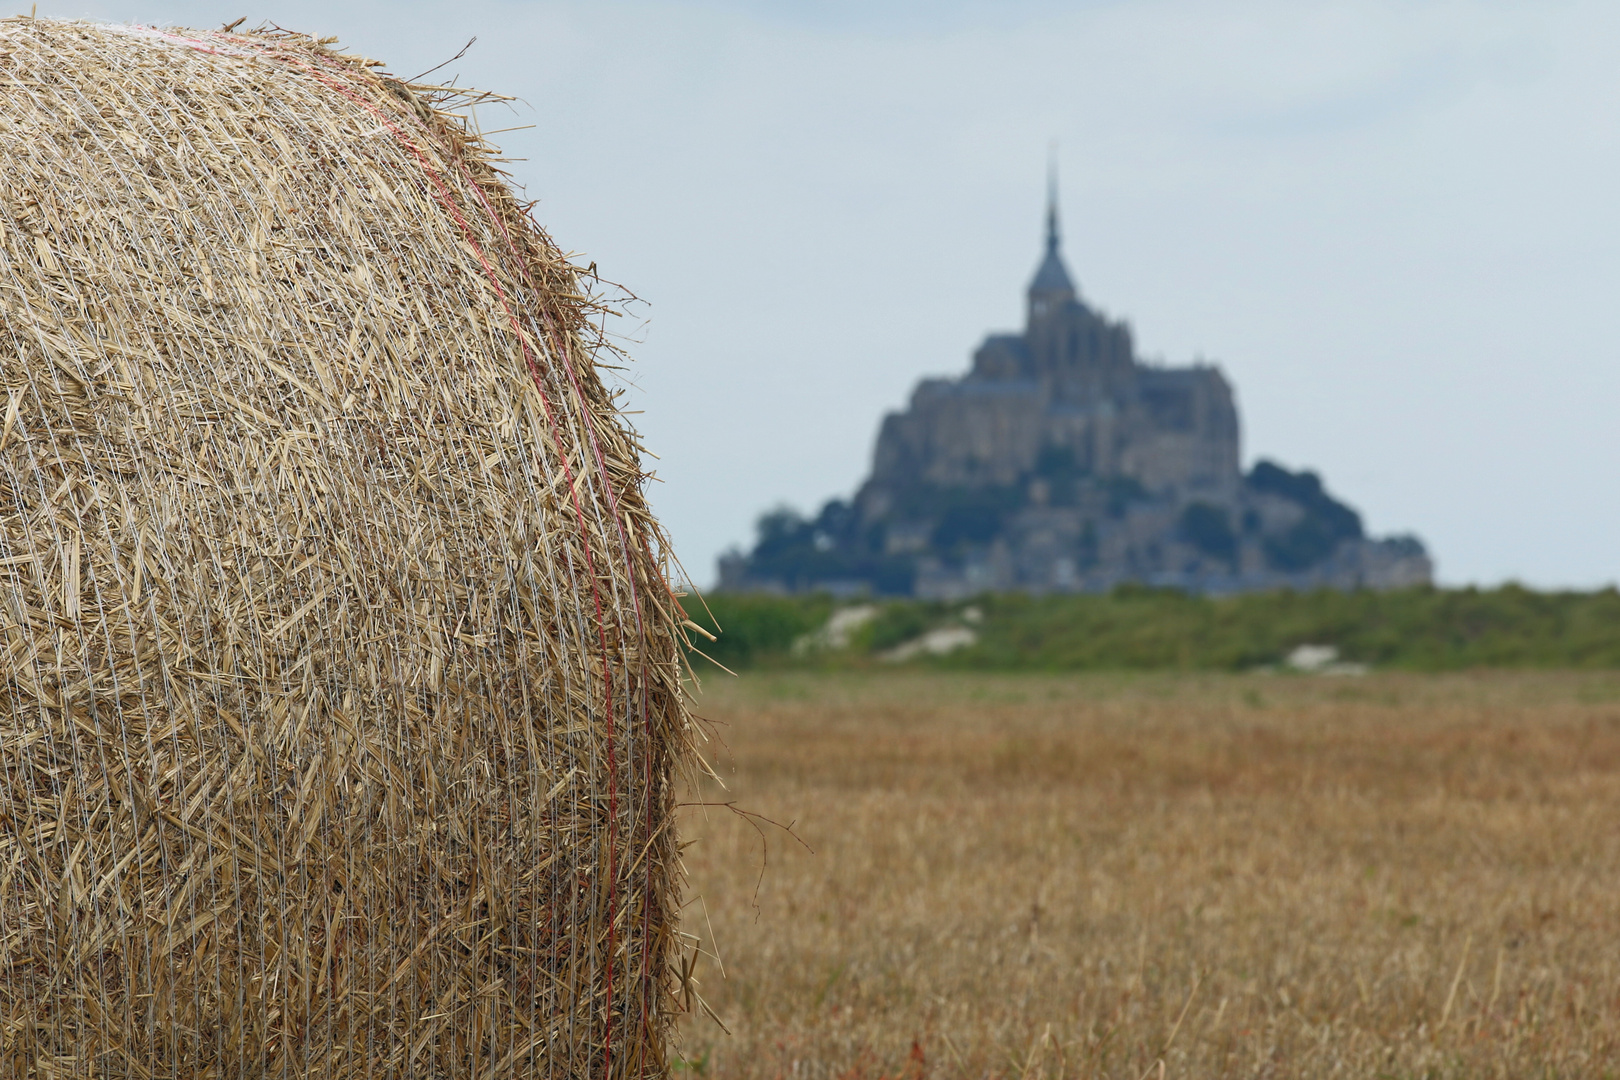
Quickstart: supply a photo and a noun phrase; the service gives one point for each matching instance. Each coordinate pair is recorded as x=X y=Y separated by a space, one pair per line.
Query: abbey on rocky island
x=1062 y=462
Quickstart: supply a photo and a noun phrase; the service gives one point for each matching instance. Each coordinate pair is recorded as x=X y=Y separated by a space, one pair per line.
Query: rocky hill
x=1062 y=462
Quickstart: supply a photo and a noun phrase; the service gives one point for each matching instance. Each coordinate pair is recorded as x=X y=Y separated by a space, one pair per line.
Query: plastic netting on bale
x=340 y=696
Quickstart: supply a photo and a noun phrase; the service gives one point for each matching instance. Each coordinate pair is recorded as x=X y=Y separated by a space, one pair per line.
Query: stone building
x=1062 y=462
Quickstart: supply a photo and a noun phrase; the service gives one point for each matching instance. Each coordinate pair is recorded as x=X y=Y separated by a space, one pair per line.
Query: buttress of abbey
x=1062 y=462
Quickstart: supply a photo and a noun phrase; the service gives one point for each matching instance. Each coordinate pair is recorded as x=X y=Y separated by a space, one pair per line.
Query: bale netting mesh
x=340 y=703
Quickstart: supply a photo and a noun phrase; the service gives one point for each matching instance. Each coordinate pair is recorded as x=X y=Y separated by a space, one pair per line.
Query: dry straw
x=340 y=692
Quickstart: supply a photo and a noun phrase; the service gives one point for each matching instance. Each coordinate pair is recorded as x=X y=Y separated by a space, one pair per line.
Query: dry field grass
x=1161 y=876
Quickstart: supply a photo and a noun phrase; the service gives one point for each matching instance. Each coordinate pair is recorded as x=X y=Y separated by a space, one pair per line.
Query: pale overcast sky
x=1394 y=225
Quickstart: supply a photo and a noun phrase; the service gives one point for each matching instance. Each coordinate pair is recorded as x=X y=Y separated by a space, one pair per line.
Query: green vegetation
x=1326 y=521
x=1209 y=530
x=1134 y=628
x=750 y=628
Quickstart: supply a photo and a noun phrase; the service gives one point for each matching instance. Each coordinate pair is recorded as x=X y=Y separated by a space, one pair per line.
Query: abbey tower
x=1069 y=388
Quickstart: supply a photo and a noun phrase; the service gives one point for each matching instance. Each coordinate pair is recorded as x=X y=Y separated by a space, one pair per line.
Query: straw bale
x=340 y=699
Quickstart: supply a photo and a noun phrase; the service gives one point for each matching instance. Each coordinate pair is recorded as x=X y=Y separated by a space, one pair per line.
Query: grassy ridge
x=1424 y=629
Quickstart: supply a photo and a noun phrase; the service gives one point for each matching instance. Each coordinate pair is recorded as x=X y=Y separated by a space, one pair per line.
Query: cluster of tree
x=802 y=553
x=835 y=548
x=1324 y=523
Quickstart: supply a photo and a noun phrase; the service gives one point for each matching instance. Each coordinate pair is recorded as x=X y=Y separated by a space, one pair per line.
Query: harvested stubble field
x=1158 y=876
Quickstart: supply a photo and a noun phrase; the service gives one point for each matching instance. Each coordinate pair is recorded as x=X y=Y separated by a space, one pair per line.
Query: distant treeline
x=1134 y=628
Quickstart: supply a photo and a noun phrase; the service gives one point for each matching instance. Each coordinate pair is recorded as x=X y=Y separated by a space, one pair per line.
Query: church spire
x=1052 y=235
x=1052 y=285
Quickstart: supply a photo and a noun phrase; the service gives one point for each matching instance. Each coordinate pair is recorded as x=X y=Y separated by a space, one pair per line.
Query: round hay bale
x=340 y=697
